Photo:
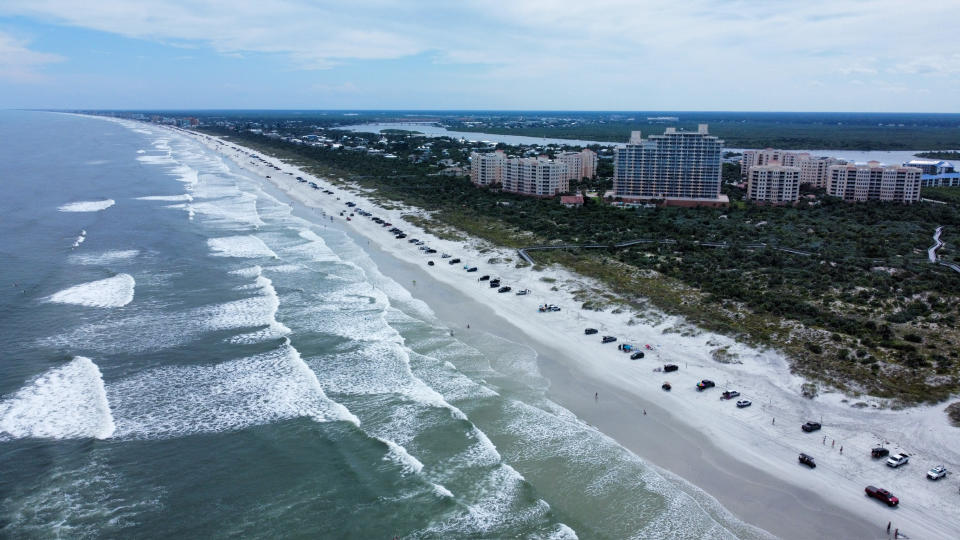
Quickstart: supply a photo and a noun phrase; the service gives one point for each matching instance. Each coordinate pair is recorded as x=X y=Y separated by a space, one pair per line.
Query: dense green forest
x=756 y=134
x=940 y=155
x=865 y=312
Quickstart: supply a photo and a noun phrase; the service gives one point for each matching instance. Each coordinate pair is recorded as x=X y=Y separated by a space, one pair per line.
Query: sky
x=726 y=55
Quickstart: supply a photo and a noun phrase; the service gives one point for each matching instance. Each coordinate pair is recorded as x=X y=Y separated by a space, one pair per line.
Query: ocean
x=185 y=355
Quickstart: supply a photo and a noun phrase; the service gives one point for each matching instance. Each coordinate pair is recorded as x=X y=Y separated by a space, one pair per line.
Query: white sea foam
x=183 y=400
x=250 y=272
x=86 y=498
x=240 y=246
x=162 y=159
x=401 y=457
x=80 y=239
x=87 y=206
x=65 y=402
x=239 y=209
x=187 y=175
x=285 y=268
x=441 y=491
x=96 y=162
x=141 y=151
x=171 y=198
x=114 y=291
x=107 y=257
x=497 y=506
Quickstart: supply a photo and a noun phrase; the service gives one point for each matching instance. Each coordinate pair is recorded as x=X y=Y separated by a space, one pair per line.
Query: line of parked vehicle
x=894 y=461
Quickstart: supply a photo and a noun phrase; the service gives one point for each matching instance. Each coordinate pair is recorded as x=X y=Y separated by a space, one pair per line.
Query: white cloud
x=568 y=53
x=20 y=64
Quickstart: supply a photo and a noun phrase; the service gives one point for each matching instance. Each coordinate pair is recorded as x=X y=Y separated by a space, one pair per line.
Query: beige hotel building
x=874 y=182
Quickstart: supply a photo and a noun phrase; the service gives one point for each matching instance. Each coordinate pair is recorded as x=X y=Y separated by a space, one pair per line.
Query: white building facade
x=775 y=184
x=813 y=169
x=678 y=165
x=580 y=165
x=538 y=177
x=487 y=169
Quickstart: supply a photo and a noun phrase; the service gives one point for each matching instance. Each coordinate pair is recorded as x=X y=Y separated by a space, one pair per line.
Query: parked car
x=590 y=331
x=453 y=261
x=609 y=339
x=505 y=288
x=879 y=452
x=637 y=355
x=670 y=367
x=472 y=269
x=811 y=426
x=704 y=384
x=744 y=403
x=445 y=256
x=484 y=278
x=729 y=394
x=898 y=460
x=883 y=495
x=430 y=263
x=666 y=386
x=808 y=461
x=937 y=472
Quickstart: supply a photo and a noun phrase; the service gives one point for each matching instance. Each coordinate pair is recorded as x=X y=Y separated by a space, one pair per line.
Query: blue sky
x=813 y=55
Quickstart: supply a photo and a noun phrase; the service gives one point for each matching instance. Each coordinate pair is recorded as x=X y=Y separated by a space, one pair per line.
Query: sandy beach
x=745 y=458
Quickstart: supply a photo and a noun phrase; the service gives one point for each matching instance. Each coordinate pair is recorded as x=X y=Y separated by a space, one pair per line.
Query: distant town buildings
x=680 y=167
x=813 y=169
x=774 y=183
x=539 y=177
x=874 y=182
x=487 y=169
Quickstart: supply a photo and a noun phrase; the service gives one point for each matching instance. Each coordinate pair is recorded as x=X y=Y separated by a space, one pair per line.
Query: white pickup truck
x=897 y=460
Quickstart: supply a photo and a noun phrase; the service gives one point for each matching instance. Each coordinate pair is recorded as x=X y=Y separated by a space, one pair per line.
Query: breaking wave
x=116 y=291
x=65 y=402
x=87 y=206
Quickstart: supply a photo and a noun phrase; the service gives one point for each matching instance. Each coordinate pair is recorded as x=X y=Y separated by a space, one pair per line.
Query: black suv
x=810 y=426
x=704 y=384
x=808 y=461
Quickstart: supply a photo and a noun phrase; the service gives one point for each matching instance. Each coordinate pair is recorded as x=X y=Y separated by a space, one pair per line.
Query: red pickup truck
x=883 y=495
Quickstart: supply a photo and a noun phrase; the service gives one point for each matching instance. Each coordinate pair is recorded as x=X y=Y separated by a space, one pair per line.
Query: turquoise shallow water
x=183 y=356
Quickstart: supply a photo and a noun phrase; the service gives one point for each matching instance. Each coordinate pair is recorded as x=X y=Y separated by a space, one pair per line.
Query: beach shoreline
x=746 y=459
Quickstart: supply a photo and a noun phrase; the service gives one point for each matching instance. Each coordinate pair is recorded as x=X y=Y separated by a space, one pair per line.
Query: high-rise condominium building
x=539 y=177
x=681 y=167
x=813 y=170
x=580 y=165
x=487 y=169
x=774 y=183
x=874 y=182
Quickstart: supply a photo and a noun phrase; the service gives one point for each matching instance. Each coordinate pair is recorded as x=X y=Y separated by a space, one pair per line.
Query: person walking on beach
x=644 y=412
x=824 y=440
x=833 y=442
x=596 y=396
x=773 y=422
x=841 y=449
x=888 y=528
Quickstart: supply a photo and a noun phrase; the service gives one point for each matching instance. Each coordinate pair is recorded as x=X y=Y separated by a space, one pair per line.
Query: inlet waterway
x=890 y=157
